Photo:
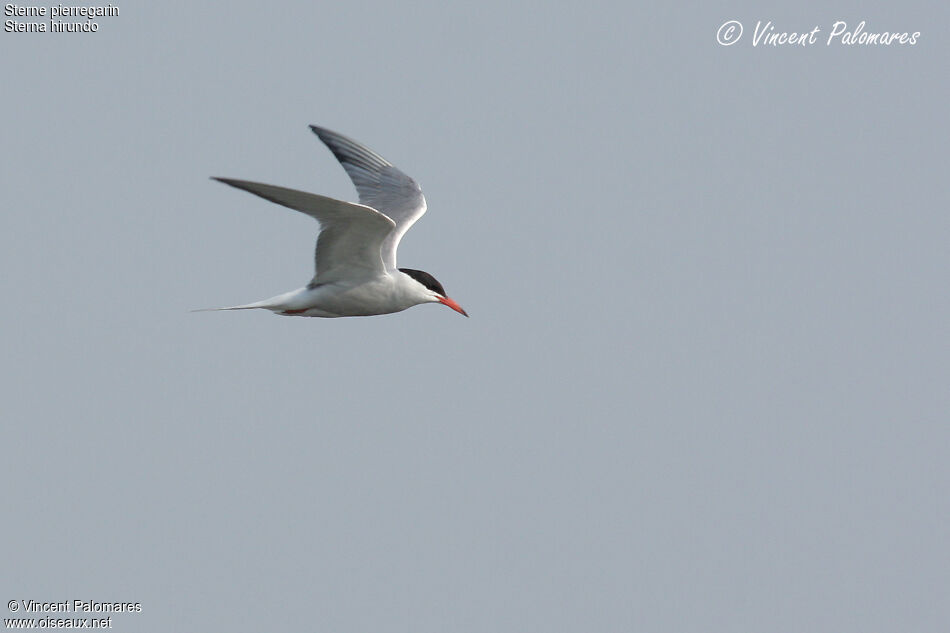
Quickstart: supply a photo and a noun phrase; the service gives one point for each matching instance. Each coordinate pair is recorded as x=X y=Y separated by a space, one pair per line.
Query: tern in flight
x=356 y=273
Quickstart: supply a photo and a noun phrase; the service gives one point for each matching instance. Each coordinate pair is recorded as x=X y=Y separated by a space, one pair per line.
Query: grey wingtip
x=329 y=137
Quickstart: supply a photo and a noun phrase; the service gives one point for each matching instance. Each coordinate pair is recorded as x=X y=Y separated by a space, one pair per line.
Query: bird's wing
x=351 y=235
x=380 y=186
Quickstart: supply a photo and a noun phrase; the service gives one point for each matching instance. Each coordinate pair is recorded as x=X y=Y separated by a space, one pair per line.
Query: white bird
x=356 y=273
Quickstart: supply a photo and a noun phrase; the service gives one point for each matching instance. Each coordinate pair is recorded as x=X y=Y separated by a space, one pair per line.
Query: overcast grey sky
x=704 y=385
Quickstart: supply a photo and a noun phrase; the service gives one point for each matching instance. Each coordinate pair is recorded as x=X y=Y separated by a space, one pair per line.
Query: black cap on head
x=425 y=279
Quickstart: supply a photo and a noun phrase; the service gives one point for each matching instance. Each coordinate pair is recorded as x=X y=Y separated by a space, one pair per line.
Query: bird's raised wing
x=351 y=235
x=380 y=186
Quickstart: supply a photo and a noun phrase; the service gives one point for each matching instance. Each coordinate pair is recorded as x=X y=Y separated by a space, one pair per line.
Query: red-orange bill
x=451 y=303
